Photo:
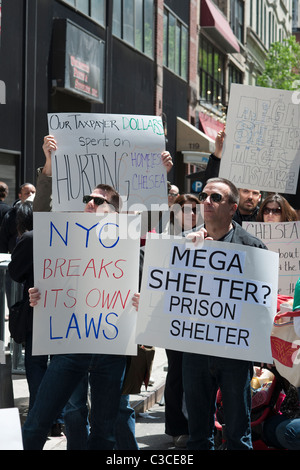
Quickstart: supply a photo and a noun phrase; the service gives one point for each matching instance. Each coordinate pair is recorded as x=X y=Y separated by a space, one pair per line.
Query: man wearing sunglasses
x=65 y=381
x=203 y=374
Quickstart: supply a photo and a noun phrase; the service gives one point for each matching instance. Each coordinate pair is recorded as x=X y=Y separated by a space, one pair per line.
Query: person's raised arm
x=49 y=145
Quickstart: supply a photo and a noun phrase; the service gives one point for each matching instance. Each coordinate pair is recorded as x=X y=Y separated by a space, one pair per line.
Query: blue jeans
x=282 y=433
x=35 y=367
x=125 y=427
x=76 y=417
x=64 y=374
x=202 y=376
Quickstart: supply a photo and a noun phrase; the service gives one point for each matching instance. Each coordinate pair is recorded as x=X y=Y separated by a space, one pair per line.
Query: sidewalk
x=141 y=402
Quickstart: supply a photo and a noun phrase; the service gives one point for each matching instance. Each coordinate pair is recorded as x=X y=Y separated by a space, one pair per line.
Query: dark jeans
x=202 y=376
x=176 y=422
x=63 y=375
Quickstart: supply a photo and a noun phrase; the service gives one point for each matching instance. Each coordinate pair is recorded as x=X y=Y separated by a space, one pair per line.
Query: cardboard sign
x=284 y=239
x=219 y=299
x=123 y=151
x=262 y=146
x=86 y=267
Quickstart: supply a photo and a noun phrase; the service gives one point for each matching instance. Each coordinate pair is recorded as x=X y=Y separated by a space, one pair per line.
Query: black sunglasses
x=268 y=210
x=214 y=197
x=98 y=200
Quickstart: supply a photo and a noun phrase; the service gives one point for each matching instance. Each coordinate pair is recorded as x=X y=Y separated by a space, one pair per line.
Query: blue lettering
x=88 y=232
x=111 y=324
x=51 y=336
x=75 y=326
x=100 y=232
x=92 y=323
x=65 y=240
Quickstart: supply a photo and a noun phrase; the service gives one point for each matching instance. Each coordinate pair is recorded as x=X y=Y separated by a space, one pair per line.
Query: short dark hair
x=233 y=194
x=114 y=197
x=24 y=217
x=3 y=190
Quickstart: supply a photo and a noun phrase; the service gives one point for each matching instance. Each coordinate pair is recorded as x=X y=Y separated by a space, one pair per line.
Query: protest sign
x=218 y=299
x=262 y=145
x=10 y=429
x=284 y=239
x=123 y=151
x=86 y=267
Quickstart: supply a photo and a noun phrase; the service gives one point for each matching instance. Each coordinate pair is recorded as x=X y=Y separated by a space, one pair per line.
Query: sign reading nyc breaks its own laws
x=123 y=151
x=219 y=299
x=86 y=267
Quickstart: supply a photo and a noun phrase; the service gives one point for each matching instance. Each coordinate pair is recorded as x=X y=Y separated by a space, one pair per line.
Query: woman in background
x=275 y=208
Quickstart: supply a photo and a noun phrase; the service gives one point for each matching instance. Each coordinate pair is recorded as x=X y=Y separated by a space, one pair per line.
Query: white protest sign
x=86 y=267
x=10 y=429
x=284 y=239
x=262 y=145
x=123 y=151
x=219 y=299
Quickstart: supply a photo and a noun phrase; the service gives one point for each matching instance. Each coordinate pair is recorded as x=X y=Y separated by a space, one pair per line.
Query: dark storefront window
x=175 y=45
x=235 y=75
x=133 y=21
x=211 y=72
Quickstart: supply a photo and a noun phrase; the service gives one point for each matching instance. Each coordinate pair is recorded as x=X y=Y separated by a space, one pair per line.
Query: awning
x=217 y=26
x=210 y=125
x=189 y=138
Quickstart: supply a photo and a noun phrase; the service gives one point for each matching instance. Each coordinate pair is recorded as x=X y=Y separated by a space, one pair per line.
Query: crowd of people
x=59 y=387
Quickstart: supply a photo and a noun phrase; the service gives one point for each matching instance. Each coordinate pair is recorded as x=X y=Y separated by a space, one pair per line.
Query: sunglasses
x=268 y=210
x=173 y=194
x=98 y=200
x=214 y=197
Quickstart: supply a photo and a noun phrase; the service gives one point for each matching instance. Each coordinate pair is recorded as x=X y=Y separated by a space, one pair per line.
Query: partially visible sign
x=262 y=146
x=284 y=239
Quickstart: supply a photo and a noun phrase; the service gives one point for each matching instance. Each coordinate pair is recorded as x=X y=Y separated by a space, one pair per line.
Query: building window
x=234 y=75
x=237 y=18
x=211 y=72
x=133 y=21
x=93 y=8
x=175 y=45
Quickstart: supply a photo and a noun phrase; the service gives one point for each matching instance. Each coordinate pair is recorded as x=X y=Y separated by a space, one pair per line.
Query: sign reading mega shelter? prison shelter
x=262 y=145
x=123 y=151
x=218 y=299
x=86 y=267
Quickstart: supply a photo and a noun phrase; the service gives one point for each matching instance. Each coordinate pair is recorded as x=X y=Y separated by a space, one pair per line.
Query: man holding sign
x=67 y=371
x=204 y=374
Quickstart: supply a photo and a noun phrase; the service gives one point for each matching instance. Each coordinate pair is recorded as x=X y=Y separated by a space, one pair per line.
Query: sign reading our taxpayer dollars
x=262 y=144
x=86 y=267
x=123 y=151
x=218 y=299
